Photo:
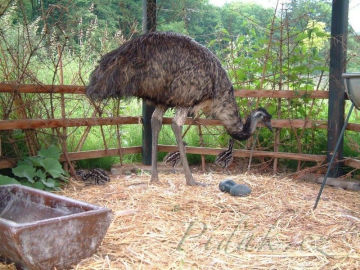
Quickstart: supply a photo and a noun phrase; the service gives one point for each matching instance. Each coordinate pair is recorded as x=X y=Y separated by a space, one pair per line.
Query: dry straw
x=174 y=226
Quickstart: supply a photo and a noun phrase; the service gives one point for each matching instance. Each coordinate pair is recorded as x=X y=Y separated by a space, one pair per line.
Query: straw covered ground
x=174 y=226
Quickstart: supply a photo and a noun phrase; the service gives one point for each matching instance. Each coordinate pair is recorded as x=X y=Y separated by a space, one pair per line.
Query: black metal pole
x=149 y=25
x=339 y=25
x=333 y=156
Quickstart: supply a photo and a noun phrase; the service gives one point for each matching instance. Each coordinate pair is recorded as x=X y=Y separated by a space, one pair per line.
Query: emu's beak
x=268 y=124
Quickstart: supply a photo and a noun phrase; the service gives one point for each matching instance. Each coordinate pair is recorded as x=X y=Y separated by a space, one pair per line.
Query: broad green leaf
x=50 y=183
x=6 y=180
x=57 y=184
x=51 y=152
x=28 y=184
x=25 y=161
x=34 y=160
x=40 y=174
x=25 y=171
x=64 y=178
x=38 y=185
x=52 y=166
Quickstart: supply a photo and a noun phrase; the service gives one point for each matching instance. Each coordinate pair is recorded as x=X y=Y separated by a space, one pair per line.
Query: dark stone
x=226 y=185
x=240 y=190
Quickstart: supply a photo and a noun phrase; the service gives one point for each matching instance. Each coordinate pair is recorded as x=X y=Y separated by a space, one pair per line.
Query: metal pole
x=339 y=24
x=149 y=25
x=340 y=140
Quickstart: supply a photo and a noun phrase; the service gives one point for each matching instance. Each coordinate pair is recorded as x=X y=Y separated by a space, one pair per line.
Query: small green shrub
x=43 y=171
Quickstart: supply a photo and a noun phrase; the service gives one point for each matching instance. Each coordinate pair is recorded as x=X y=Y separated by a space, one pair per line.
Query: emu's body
x=170 y=71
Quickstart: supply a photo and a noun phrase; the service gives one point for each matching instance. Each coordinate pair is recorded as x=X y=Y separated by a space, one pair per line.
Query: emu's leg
x=178 y=122
x=156 y=122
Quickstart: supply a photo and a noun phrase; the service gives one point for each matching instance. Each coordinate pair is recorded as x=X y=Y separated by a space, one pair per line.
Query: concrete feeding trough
x=40 y=230
x=352 y=87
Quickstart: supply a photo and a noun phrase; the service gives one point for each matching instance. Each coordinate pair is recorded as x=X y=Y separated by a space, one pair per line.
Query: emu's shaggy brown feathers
x=158 y=67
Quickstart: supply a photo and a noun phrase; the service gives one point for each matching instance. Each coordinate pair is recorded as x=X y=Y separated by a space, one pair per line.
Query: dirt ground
x=174 y=226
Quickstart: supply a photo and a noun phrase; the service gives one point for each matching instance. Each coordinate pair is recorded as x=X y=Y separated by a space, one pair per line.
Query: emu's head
x=261 y=115
x=256 y=116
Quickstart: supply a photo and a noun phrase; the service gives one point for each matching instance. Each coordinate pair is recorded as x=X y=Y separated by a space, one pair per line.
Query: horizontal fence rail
x=41 y=89
x=11 y=162
x=69 y=122
x=72 y=89
x=351 y=162
x=125 y=120
x=122 y=120
x=281 y=94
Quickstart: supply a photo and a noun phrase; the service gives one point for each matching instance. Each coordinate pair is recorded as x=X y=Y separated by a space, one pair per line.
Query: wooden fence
x=28 y=124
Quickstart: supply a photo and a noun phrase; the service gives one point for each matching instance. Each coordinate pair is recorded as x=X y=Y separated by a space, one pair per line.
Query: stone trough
x=40 y=230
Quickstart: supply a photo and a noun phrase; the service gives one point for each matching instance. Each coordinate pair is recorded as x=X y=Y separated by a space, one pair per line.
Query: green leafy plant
x=43 y=171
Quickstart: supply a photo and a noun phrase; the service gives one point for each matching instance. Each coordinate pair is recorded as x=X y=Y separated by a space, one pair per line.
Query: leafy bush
x=43 y=171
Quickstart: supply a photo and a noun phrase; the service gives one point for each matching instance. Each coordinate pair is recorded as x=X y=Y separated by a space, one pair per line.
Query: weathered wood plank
x=298 y=123
x=11 y=162
x=245 y=153
x=78 y=89
x=123 y=120
x=350 y=162
x=37 y=88
x=282 y=94
x=7 y=163
x=102 y=153
x=69 y=122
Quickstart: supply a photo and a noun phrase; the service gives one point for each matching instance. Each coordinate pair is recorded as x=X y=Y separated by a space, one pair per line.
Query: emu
x=170 y=70
x=173 y=158
x=225 y=158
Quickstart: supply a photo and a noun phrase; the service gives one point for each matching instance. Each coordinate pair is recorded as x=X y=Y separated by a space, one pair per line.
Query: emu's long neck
x=227 y=112
x=247 y=130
